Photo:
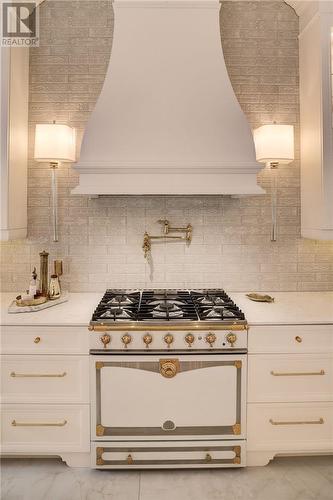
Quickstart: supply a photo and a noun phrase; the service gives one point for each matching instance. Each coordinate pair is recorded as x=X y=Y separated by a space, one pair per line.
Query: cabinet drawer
x=290 y=378
x=291 y=339
x=290 y=427
x=48 y=428
x=44 y=340
x=204 y=454
x=40 y=379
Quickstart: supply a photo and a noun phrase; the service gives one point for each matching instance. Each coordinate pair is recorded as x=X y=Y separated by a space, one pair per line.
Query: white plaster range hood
x=167 y=120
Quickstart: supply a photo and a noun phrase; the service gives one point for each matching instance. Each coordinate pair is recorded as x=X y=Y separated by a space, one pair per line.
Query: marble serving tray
x=14 y=308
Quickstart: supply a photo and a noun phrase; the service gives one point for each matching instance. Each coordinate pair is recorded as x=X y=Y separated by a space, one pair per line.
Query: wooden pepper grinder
x=44 y=273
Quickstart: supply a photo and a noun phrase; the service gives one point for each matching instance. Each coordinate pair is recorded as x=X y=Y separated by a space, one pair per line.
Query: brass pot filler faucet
x=147 y=239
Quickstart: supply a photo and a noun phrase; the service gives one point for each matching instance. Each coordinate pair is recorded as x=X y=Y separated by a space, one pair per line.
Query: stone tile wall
x=100 y=239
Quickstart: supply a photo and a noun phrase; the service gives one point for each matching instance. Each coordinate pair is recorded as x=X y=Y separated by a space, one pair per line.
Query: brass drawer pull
x=301 y=422
x=208 y=457
x=296 y=374
x=129 y=459
x=298 y=339
x=39 y=424
x=38 y=375
x=37 y=340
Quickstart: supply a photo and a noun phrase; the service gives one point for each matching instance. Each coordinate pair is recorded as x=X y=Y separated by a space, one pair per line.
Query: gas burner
x=121 y=300
x=217 y=312
x=215 y=305
x=116 y=313
x=117 y=305
x=167 y=305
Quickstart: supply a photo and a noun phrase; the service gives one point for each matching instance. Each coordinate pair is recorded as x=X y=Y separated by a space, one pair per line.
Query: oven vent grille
x=168 y=425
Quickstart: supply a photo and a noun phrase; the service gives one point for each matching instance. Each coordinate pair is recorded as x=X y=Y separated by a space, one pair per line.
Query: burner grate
x=167 y=305
x=117 y=305
x=215 y=305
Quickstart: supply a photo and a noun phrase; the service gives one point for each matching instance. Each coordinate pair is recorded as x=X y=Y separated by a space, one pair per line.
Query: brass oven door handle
x=38 y=375
x=301 y=422
x=39 y=424
x=296 y=374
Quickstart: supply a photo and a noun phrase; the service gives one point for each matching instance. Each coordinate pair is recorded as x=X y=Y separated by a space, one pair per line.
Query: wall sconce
x=54 y=143
x=274 y=145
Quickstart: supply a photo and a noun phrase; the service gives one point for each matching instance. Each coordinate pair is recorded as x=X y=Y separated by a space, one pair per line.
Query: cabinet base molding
x=261 y=458
x=76 y=459
x=71 y=459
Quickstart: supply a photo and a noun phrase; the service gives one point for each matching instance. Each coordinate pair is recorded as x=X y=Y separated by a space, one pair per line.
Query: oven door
x=151 y=397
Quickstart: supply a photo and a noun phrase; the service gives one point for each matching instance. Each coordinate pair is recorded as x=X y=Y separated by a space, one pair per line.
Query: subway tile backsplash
x=101 y=238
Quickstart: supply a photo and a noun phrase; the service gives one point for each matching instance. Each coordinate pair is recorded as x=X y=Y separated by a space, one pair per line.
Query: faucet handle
x=166 y=224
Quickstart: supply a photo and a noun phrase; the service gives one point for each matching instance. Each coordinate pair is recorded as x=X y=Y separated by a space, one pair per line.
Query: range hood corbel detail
x=167 y=120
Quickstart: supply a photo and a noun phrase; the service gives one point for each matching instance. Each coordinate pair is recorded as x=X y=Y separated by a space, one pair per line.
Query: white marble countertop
x=288 y=308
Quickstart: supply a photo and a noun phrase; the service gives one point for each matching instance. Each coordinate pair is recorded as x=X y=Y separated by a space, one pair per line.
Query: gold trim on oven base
x=99 y=365
x=100 y=429
x=190 y=325
x=236 y=428
x=99 y=453
x=238 y=364
x=207 y=458
x=237 y=450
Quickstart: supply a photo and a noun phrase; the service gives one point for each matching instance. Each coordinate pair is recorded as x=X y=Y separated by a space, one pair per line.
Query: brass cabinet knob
x=126 y=339
x=208 y=457
x=147 y=339
x=37 y=340
x=211 y=338
x=106 y=339
x=189 y=339
x=231 y=338
x=298 y=339
x=168 y=339
x=129 y=459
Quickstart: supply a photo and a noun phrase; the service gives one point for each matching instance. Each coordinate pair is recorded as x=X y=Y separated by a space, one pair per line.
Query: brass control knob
x=126 y=339
x=168 y=339
x=106 y=339
x=189 y=339
x=231 y=338
x=147 y=339
x=210 y=338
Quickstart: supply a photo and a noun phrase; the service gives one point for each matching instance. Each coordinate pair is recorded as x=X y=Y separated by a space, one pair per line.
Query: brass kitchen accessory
x=147 y=238
x=54 y=287
x=257 y=297
x=58 y=267
x=44 y=272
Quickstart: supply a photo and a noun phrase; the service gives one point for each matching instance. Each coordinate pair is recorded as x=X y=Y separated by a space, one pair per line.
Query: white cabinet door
x=40 y=379
x=132 y=397
x=290 y=427
x=288 y=378
x=294 y=339
x=45 y=428
x=44 y=340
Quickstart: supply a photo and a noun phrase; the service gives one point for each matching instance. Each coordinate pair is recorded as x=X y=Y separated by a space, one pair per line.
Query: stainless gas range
x=168 y=371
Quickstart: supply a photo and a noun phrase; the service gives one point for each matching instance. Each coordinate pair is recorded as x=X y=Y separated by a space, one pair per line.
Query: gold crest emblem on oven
x=169 y=367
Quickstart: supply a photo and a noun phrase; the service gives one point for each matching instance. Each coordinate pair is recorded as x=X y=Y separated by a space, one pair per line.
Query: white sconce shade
x=274 y=143
x=54 y=142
